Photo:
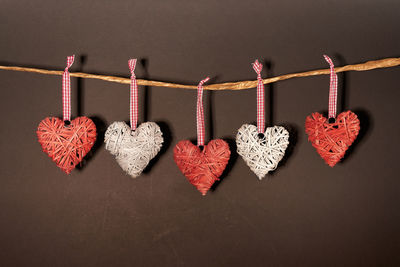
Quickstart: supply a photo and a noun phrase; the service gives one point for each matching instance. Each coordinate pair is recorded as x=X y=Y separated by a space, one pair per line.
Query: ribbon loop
x=66 y=90
x=70 y=61
x=332 y=89
x=133 y=114
x=132 y=65
x=257 y=66
x=200 y=113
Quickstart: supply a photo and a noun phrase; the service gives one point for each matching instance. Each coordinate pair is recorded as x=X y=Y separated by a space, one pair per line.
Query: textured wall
x=304 y=214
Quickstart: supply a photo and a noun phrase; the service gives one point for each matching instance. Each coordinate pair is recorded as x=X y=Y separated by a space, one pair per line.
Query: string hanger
x=133 y=110
x=332 y=90
x=257 y=66
x=66 y=91
x=241 y=85
x=200 y=113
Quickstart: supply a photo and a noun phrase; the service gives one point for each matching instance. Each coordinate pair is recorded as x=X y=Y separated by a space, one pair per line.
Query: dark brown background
x=303 y=214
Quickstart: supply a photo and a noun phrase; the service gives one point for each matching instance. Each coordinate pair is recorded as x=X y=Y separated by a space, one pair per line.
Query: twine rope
x=369 y=65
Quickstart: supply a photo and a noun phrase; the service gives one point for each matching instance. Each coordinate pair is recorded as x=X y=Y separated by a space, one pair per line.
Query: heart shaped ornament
x=66 y=145
x=262 y=154
x=202 y=167
x=133 y=149
x=331 y=140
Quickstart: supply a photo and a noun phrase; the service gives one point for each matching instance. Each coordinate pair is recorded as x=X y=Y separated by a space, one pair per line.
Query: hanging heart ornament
x=262 y=154
x=66 y=145
x=202 y=167
x=66 y=141
x=134 y=146
x=331 y=140
x=133 y=149
x=261 y=148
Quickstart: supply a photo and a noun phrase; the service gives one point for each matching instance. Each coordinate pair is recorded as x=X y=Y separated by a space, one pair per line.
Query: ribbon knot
x=200 y=113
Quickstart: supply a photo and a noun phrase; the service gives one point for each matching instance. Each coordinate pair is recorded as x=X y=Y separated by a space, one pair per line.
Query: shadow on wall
x=270 y=120
x=167 y=136
x=100 y=123
x=164 y=126
x=232 y=160
x=229 y=139
x=366 y=126
x=366 y=121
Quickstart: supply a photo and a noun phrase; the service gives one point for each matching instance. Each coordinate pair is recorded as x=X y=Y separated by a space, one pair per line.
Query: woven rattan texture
x=133 y=149
x=262 y=154
x=331 y=140
x=66 y=145
x=202 y=167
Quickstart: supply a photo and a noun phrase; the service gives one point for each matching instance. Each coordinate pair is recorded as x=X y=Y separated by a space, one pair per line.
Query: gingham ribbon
x=66 y=90
x=133 y=114
x=332 y=89
x=200 y=113
x=257 y=66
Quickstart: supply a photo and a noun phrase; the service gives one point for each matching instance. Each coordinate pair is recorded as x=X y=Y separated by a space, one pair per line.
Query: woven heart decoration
x=66 y=145
x=261 y=148
x=202 y=167
x=133 y=149
x=331 y=140
x=262 y=154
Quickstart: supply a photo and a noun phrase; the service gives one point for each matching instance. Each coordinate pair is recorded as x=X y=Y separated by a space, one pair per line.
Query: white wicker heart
x=133 y=150
x=262 y=154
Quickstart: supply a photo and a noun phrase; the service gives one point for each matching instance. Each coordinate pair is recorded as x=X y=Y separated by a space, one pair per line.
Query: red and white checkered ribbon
x=200 y=113
x=133 y=114
x=66 y=90
x=332 y=89
x=257 y=66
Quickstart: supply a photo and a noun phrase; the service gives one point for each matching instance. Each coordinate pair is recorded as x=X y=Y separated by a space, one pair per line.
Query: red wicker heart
x=202 y=168
x=66 y=145
x=332 y=139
